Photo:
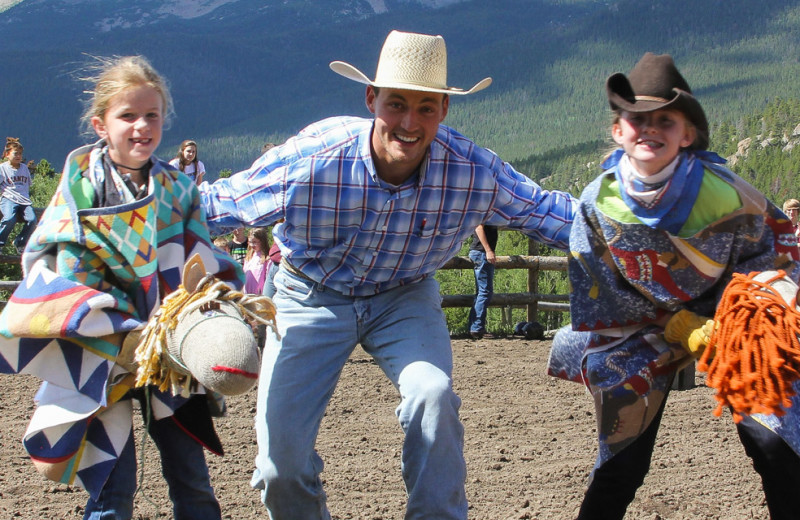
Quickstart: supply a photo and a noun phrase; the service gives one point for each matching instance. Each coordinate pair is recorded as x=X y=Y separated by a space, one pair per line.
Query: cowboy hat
x=410 y=61
x=654 y=83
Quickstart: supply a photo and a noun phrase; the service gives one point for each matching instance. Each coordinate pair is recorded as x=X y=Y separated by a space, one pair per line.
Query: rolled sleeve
x=252 y=198
x=547 y=220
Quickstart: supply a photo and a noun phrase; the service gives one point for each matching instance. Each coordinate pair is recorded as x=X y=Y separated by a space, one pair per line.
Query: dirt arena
x=529 y=448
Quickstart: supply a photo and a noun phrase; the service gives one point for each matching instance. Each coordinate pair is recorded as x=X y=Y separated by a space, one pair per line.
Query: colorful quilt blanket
x=632 y=266
x=91 y=276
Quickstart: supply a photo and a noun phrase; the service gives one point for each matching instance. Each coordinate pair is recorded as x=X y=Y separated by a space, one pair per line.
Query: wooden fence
x=531 y=300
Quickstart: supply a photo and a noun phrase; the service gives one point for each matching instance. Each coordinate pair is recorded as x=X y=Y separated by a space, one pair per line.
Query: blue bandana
x=673 y=207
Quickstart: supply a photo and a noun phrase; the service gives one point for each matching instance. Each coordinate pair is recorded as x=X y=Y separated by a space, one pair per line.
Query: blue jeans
x=269 y=282
x=404 y=330
x=10 y=210
x=484 y=288
x=183 y=465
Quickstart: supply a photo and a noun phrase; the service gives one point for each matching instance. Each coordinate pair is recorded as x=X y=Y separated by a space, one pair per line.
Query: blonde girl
x=109 y=248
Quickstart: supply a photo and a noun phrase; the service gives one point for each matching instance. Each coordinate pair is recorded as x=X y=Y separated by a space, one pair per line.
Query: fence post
x=507 y=313
x=533 y=281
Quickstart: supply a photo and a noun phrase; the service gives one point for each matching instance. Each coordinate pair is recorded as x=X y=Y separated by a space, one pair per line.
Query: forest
x=251 y=77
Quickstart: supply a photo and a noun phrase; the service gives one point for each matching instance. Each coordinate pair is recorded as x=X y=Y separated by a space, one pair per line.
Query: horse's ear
x=193 y=272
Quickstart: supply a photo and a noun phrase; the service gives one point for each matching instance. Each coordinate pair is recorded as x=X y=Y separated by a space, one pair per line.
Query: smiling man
x=372 y=208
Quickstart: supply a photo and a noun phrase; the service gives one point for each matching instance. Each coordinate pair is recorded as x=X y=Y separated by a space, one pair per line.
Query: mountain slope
x=249 y=71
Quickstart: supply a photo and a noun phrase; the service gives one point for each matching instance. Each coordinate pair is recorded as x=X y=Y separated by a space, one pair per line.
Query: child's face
x=14 y=157
x=189 y=153
x=652 y=139
x=132 y=125
x=255 y=243
x=792 y=214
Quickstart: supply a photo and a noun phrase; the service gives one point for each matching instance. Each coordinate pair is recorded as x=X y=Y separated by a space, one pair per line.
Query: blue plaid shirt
x=350 y=231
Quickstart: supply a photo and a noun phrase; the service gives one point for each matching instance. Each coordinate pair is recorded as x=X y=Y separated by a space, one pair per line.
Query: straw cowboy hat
x=410 y=61
x=654 y=83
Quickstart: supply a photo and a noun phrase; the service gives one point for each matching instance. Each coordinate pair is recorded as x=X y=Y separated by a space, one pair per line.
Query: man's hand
x=692 y=331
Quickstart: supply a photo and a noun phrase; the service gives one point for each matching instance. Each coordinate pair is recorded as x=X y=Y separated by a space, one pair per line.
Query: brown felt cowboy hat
x=410 y=61
x=654 y=83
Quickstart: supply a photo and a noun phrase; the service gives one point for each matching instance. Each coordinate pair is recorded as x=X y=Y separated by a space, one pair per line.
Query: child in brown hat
x=657 y=237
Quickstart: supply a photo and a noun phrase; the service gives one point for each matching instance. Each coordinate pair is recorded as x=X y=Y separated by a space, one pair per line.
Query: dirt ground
x=529 y=448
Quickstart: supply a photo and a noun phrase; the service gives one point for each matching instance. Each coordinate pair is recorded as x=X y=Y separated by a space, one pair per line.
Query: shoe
x=476 y=335
x=489 y=335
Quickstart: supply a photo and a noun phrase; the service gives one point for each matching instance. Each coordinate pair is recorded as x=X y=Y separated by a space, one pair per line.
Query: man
x=481 y=252
x=372 y=208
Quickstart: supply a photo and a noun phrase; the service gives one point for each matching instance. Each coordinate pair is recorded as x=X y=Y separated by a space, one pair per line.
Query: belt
x=295 y=271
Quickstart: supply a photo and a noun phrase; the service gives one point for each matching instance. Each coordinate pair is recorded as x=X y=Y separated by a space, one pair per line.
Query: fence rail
x=531 y=300
x=534 y=264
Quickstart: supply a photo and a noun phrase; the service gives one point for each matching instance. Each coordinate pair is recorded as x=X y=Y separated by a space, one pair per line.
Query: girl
x=187 y=161
x=111 y=245
x=657 y=238
x=256 y=262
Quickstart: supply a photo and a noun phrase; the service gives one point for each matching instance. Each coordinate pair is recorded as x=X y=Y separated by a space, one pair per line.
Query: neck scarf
x=667 y=205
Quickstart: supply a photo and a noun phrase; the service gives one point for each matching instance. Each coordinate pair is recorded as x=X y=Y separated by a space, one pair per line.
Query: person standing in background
x=237 y=247
x=187 y=161
x=482 y=254
x=792 y=209
x=274 y=264
x=222 y=243
x=15 y=183
x=256 y=262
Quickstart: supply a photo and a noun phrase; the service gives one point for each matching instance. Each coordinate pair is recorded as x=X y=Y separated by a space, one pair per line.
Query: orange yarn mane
x=754 y=352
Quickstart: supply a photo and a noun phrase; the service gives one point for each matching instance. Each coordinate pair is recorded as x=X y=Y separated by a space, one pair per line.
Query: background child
x=222 y=243
x=15 y=184
x=256 y=261
x=657 y=238
x=111 y=245
x=238 y=245
x=791 y=208
x=187 y=161
x=274 y=263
